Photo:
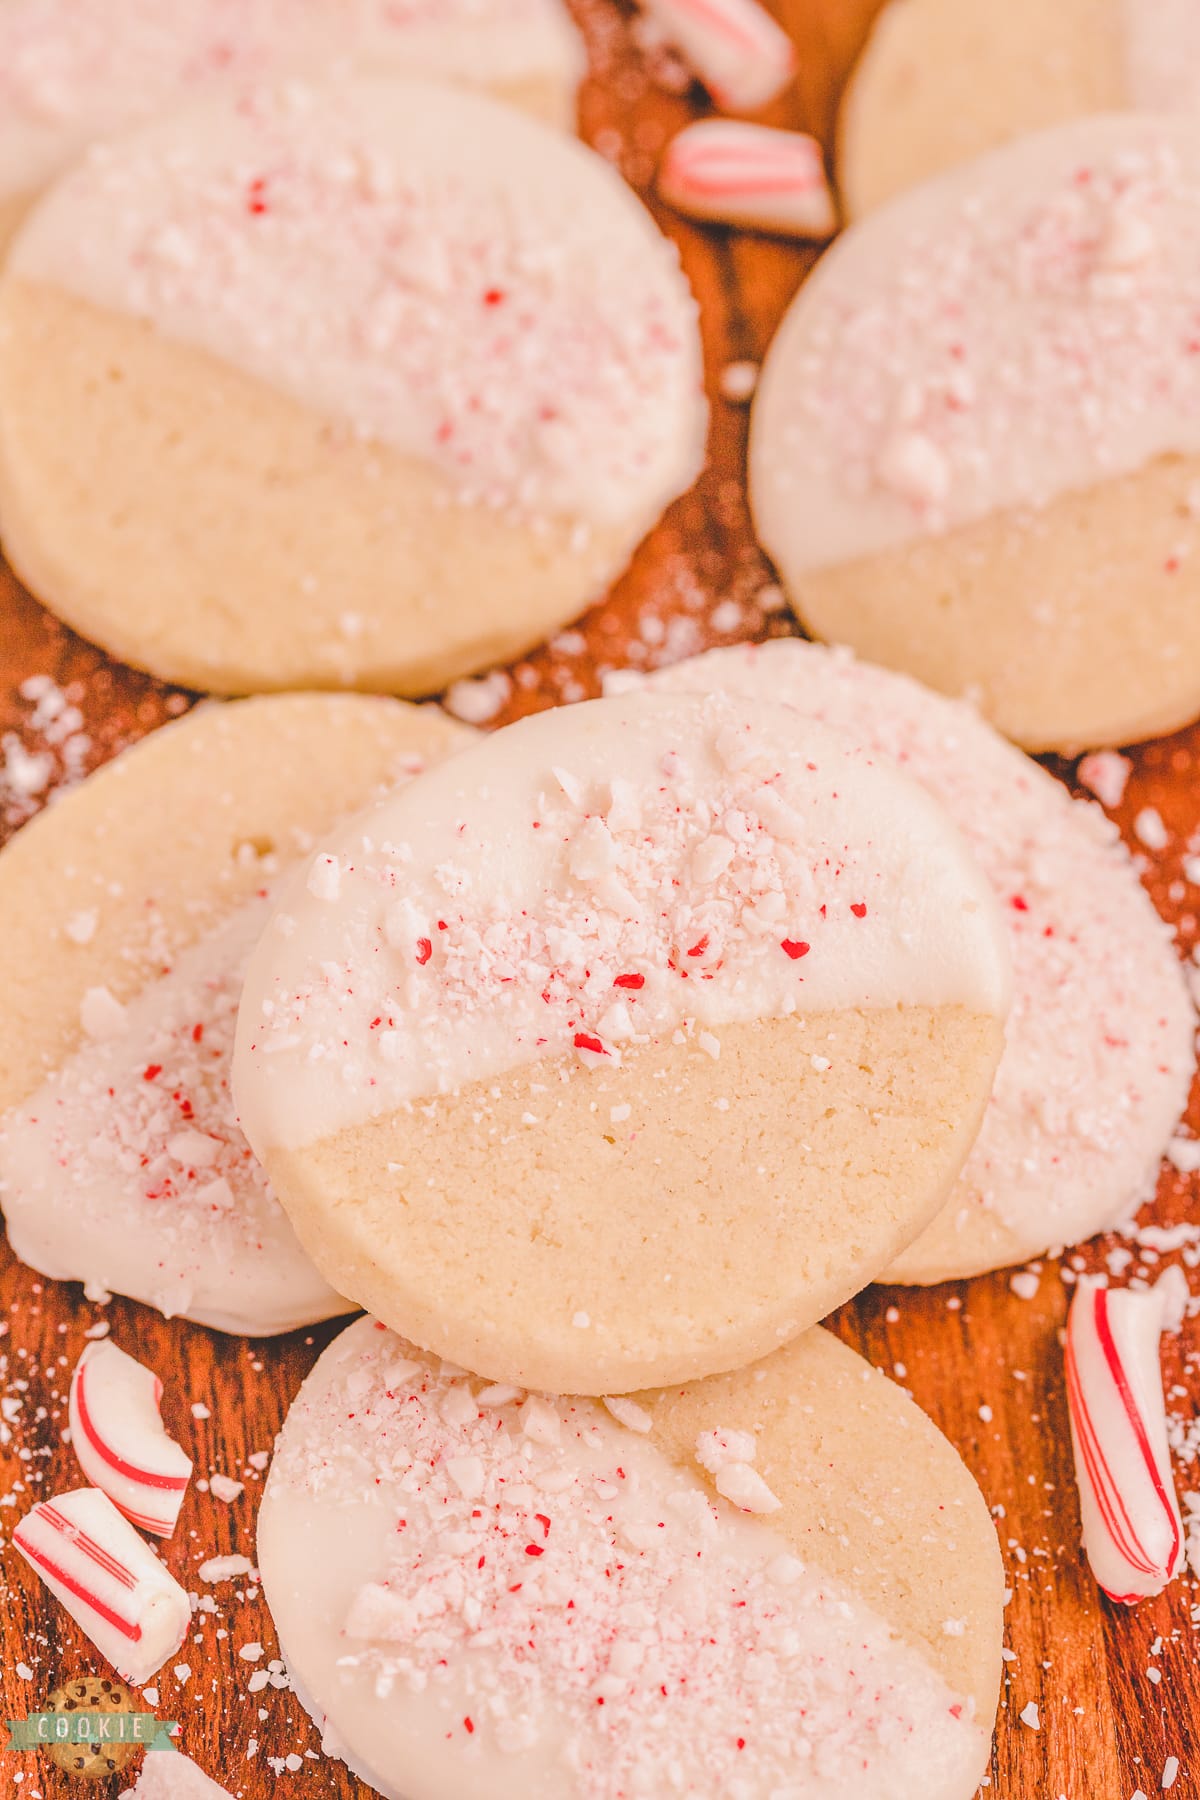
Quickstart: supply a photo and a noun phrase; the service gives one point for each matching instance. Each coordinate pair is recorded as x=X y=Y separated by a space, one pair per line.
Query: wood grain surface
x=985 y=1363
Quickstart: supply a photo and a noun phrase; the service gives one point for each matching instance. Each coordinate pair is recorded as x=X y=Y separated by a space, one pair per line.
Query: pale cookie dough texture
x=944 y=80
x=127 y=913
x=780 y=1584
x=623 y=1047
x=975 y=449
x=75 y=71
x=366 y=384
x=1099 y=1045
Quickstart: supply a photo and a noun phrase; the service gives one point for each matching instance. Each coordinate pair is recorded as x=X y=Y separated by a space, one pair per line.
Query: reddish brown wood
x=1106 y=1728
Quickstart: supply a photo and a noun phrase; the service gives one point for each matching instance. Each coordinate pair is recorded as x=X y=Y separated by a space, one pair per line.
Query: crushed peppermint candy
x=685 y=873
x=1105 y=773
x=1149 y=829
x=478 y=700
x=139 y=1124
x=445 y=280
x=1019 y=329
x=629 y=1414
x=593 y=1588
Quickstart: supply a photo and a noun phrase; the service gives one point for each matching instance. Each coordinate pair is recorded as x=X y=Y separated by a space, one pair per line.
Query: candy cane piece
x=108 y=1578
x=1132 y=1530
x=735 y=47
x=749 y=175
x=119 y=1438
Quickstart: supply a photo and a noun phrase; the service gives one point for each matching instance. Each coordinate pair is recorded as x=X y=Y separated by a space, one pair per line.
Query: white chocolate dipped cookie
x=777 y=1583
x=943 y=80
x=366 y=384
x=626 y=1046
x=1099 y=1045
x=75 y=71
x=975 y=449
x=127 y=913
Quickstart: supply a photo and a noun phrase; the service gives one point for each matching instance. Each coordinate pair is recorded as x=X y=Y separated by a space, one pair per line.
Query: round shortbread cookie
x=1025 y=65
x=75 y=71
x=127 y=913
x=975 y=450
x=625 y=1047
x=1099 y=1045
x=367 y=384
x=482 y=1593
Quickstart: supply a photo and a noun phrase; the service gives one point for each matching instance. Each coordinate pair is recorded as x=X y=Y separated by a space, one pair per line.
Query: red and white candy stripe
x=108 y=1578
x=735 y=47
x=119 y=1438
x=749 y=175
x=1132 y=1530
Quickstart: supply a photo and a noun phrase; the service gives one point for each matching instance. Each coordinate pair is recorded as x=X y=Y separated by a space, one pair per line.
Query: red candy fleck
x=793 y=948
x=534 y=1550
x=699 y=948
x=151 y=1070
x=197 y=1033
x=630 y=981
x=256 y=196
x=1019 y=903
x=585 y=1041
x=469 y=1725
x=493 y=297
x=424 y=950
x=859 y=909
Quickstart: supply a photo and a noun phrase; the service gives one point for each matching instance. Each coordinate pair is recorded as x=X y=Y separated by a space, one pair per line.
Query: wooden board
x=1106 y=1727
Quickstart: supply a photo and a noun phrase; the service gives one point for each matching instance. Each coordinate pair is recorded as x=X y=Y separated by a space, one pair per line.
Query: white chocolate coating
x=72 y=71
x=1099 y=1052
x=594 y=877
x=165 y=1200
x=1014 y=330
x=1162 y=55
x=567 y=1612
x=432 y=270
x=173 y=1777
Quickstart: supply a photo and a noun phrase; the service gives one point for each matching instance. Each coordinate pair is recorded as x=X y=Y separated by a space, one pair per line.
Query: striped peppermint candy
x=1132 y=1530
x=119 y=1438
x=735 y=47
x=749 y=175
x=108 y=1578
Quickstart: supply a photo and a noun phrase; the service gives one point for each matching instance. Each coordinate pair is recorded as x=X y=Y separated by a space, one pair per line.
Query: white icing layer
x=435 y=270
x=1162 y=55
x=1019 y=328
x=127 y=1168
x=518 y=1597
x=173 y=1777
x=72 y=71
x=595 y=877
x=1099 y=1050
